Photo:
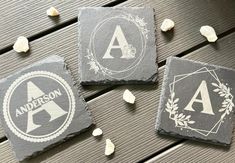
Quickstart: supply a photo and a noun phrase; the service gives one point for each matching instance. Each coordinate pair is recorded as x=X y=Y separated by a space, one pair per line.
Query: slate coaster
x=197 y=101
x=40 y=107
x=117 y=46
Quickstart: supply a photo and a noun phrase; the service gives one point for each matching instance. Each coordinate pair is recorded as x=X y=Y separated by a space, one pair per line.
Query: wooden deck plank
x=63 y=42
x=188 y=16
x=190 y=151
x=130 y=127
x=28 y=18
x=200 y=152
x=125 y=125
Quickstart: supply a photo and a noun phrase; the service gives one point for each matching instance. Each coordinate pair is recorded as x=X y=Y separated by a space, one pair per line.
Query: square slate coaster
x=41 y=107
x=197 y=101
x=117 y=46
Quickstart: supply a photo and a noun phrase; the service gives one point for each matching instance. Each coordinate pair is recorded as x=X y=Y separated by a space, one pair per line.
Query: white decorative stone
x=97 y=132
x=167 y=25
x=209 y=33
x=21 y=44
x=52 y=12
x=109 y=147
x=128 y=97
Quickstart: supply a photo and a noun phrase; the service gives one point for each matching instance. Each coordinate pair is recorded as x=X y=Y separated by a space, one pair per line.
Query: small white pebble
x=109 y=147
x=167 y=25
x=97 y=132
x=52 y=12
x=21 y=44
x=128 y=97
x=209 y=33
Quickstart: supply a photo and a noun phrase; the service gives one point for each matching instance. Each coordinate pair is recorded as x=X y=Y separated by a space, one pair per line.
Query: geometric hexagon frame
x=172 y=106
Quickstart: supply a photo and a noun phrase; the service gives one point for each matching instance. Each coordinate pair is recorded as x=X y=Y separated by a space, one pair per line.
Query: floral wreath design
x=98 y=68
x=184 y=121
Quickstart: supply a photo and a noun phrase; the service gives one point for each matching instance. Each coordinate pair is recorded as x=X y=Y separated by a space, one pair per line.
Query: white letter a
x=205 y=99
x=122 y=44
x=50 y=107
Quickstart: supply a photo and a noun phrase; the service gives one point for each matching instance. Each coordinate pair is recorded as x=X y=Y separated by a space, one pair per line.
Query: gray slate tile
x=117 y=46
x=41 y=107
x=197 y=101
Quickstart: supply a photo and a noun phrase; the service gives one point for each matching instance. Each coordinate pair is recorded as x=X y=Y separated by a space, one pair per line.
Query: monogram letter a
x=122 y=44
x=205 y=99
x=50 y=107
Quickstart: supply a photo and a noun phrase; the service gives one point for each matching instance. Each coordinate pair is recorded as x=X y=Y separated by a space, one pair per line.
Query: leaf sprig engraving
x=141 y=24
x=227 y=104
x=94 y=65
x=180 y=119
x=129 y=50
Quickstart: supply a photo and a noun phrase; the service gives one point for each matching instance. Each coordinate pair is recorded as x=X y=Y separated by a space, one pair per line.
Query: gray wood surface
x=29 y=18
x=190 y=151
x=130 y=127
x=188 y=16
x=64 y=41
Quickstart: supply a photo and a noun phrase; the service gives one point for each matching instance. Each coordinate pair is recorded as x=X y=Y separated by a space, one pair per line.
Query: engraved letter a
x=50 y=107
x=205 y=99
x=122 y=44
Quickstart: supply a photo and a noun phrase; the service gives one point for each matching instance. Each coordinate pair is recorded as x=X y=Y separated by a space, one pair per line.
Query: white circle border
x=55 y=133
x=125 y=16
x=134 y=64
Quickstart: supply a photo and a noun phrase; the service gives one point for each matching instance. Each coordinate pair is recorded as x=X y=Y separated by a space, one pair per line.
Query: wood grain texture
x=27 y=18
x=222 y=54
x=62 y=43
x=132 y=130
x=130 y=127
x=7 y=152
x=188 y=16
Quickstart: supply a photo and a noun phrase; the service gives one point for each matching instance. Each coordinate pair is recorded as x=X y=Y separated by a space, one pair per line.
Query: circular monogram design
x=117 y=45
x=39 y=106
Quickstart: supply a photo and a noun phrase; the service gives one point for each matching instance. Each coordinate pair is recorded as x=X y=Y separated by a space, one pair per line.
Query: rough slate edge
x=152 y=80
x=44 y=47
x=173 y=49
x=141 y=97
x=62 y=42
x=198 y=150
x=161 y=107
x=6 y=58
x=50 y=48
x=21 y=17
x=150 y=145
x=52 y=59
x=219 y=52
x=93 y=150
x=162 y=43
x=189 y=16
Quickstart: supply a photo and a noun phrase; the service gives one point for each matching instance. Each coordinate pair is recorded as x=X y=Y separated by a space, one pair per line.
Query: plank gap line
x=160 y=64
x=194 y=48
x=57 y=27
x=3 y=139
x=162 y=150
